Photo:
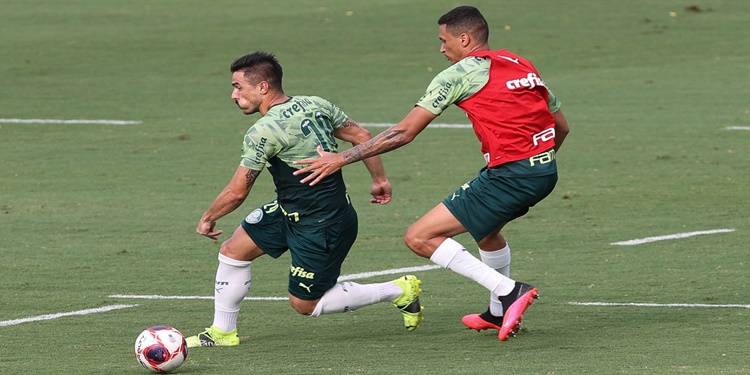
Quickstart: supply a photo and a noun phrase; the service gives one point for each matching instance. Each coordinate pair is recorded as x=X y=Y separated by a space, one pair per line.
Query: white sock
x=500 y=261
x=349 y=296
x=232 y=285
x=451 y=255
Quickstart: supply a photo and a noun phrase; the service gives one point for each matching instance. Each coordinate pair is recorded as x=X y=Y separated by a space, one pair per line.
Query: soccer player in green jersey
x=317 y=224
x=520 y=126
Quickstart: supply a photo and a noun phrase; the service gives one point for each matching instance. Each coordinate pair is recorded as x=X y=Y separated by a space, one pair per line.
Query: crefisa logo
x=530 y=81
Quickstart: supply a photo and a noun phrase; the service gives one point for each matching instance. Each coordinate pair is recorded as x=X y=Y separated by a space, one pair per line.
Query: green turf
x=87 y=211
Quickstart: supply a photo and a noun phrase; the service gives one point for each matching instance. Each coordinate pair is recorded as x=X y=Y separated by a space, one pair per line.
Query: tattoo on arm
x=386 y=141
x=350 y=123
x=251 y=176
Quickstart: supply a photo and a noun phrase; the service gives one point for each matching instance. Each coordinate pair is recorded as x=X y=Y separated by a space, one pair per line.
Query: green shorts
x=317 y=251
x=501 y=194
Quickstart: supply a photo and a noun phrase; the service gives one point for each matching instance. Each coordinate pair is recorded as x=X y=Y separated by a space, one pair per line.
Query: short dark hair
x=260 y=66
x=466 y=19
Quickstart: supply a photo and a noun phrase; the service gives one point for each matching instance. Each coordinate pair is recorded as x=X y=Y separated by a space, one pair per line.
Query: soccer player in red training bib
x=518 y=121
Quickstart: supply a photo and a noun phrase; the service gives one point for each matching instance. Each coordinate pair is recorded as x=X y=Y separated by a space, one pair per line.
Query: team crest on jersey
x=254 y=216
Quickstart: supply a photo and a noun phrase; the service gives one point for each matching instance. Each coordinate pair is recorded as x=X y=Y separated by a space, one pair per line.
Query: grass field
x=651 y=89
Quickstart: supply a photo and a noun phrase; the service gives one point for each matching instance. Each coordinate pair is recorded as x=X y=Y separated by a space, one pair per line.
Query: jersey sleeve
x=553 y=102
x=338 y=117
x=331 y=111
x=441 y=93
x=454 y=84
x=259 y=146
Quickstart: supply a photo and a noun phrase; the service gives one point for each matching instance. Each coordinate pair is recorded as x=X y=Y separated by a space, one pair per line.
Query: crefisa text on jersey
x=530 y=81
x=298 y=106
x=441 y=95
x=300 y=272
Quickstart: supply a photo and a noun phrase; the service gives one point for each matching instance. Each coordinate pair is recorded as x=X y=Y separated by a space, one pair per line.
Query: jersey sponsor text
x=543 y=136
x=300 y=272
x=299 y=105
x=442 y=95
x=529 y=82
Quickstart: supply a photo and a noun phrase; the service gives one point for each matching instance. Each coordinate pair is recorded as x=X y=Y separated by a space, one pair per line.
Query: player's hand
x=319 y=168
x=381 y=192
x=206 y=228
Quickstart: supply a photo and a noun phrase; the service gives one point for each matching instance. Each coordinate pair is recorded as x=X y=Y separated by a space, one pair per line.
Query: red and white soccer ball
x=160 y=349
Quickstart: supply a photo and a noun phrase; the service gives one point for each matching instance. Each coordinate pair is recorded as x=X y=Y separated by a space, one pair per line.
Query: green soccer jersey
x=291 y=131
x=460 y=81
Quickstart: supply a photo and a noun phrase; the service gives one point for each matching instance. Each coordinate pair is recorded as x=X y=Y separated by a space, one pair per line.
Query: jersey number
x=320 y=125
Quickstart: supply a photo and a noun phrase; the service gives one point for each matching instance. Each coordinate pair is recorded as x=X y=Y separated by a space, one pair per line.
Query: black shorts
x=501 y=194
x=317 y=251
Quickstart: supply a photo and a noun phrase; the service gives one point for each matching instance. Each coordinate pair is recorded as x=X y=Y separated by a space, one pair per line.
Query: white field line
x=364 y=275
x=354 y=276
x=639 y=241
x=37 y=318
x=53 y=121
x=124 y=122
x=657 y=304
x=155 y=296
x=434 y=126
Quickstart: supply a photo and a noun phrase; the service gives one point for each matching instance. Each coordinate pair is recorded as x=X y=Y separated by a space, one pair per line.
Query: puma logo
x=306 y=287
x=508 y=58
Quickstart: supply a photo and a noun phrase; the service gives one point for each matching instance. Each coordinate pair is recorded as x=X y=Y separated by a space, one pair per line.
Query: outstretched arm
x=390 y=139
x=227 y=201
x=381 y=189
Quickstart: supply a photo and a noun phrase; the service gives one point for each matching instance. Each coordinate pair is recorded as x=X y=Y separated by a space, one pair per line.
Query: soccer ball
x=160 y=349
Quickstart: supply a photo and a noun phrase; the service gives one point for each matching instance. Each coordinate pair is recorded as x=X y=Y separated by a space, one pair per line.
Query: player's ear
x=263 y=87
x=465 y=39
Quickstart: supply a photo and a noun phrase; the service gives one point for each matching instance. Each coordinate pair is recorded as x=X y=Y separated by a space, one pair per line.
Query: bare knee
x=232 y=252
x=426 y=234
x=227 y=250
x=492 y=243
x=240 y=247
x=301 y=306
x=418 y=242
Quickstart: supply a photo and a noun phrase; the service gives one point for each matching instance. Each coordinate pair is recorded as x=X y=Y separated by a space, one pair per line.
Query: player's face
x=450 y=46
x=246 y=95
